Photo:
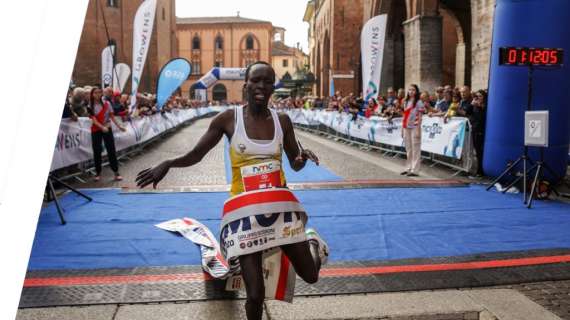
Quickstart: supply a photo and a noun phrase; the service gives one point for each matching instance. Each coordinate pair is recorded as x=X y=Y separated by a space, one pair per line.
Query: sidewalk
x=483 y=304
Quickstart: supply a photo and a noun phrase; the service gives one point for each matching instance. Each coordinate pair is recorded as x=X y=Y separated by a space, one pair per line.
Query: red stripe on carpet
x=330 y=272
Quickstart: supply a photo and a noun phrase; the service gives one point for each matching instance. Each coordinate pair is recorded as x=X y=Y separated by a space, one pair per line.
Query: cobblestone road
x=346 y=161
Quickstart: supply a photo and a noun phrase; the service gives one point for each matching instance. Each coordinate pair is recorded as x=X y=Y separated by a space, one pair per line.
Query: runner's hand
x=307 y=154
x=152 y=175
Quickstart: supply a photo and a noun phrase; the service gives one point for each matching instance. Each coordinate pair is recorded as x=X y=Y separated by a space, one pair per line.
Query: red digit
x=553 y=57
x=537 y=56
x=512 y=57
x=545 y=56
x=523 y=56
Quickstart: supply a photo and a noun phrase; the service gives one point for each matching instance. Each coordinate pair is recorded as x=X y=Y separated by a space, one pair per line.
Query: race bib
x=261 y=176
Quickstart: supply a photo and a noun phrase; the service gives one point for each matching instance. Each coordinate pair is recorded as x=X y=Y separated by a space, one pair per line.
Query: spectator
x=401 y=96
x=371 y=109
x=442 y=106
x=319 y=103
x=425 y=98
x=381 y=106
x=108 y=94
x=453 y=107
x=465 y=107
x=477 y=119
x=102 y=115
x=391 y=97
x=412 y=132
x=67 y=112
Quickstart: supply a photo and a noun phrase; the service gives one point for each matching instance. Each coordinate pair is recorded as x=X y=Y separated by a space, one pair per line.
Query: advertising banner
x=372 y=46
x=171 y=76
x=107 y=66
x=120 y=76
x=444 y=138
x=447 y=139
x=73 y=143
x=142 y=31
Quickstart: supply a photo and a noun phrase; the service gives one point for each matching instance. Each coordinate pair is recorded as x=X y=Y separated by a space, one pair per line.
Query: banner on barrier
x=73 y=143
x=441 y=138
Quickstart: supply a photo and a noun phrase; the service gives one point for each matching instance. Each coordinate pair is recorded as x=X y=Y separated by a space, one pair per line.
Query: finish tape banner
x=447 y=139
x=73 y=143
x=172 y=75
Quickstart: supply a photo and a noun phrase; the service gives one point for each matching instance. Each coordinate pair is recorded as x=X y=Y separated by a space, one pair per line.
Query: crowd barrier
x=74 y=147
x=449 y=144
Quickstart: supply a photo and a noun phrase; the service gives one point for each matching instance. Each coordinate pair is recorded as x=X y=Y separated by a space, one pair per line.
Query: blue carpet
x=117 y=231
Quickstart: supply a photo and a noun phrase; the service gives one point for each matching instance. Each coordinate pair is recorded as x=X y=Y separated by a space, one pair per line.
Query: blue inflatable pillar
x=534 y=24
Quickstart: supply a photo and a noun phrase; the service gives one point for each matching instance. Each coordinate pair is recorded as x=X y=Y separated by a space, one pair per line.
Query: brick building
x=286 y=59
x=428 y=42
x=434 y=42
x=222 y=42
x=334 y=44
x=118 y=15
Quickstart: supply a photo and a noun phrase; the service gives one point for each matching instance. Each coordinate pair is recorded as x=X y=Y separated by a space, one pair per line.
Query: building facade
x=435 y=42
x=287 y=59
x=232 y=42
x=334 y=44
x=115 y=18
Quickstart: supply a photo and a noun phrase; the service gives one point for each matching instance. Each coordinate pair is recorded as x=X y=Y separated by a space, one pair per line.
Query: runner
x=257 y=138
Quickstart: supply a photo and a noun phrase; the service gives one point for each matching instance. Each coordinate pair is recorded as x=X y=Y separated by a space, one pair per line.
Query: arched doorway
x=393 y=67
x=219 y=92
x=456 y=44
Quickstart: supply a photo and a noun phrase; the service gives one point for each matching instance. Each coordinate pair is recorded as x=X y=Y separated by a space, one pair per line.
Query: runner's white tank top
x=245 y=151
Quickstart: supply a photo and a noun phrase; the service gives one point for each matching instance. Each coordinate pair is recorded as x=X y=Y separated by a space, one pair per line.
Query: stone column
x=460 y=65
x=423 y=52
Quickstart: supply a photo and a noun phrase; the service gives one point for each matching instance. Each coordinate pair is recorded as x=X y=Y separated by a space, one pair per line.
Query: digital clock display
x=516 y=56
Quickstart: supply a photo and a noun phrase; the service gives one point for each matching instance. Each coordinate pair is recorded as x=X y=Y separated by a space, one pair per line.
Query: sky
x=284 y=13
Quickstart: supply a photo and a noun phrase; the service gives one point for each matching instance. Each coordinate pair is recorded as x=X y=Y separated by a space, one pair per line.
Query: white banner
x=372 y=46
x=74 y=139
x=120 y=76
x=142 y=31
x=107 y=66
x=232 y=73
x=447 y=139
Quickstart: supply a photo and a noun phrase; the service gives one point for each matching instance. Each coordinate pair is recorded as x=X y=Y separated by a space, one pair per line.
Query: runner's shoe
x=312 y=235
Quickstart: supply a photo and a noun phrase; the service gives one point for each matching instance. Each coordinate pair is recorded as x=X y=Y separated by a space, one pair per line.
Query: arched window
x=249 y=43
x=219 y=92
x=219 y=43
x=196 y=43
x=219 y=51
x=249 y=47
x=196 y=56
